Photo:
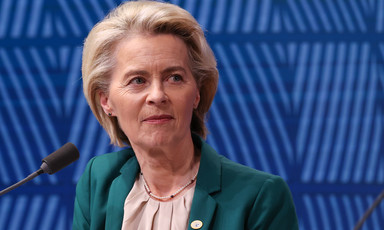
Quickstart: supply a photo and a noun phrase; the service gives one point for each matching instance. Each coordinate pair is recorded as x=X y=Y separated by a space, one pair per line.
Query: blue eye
x=176 y=78
x=137 y=81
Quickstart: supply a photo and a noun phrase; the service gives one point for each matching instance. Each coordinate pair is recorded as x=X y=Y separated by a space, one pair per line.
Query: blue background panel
x=301 y=95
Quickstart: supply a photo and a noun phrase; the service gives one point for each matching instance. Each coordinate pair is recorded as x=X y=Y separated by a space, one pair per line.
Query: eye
x=137 y=81
x=176 y=78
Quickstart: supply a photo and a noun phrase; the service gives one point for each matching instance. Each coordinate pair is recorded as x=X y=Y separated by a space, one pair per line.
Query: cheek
x=127 y=118
x=187 y=103
x=129 y=111
x=126 y=109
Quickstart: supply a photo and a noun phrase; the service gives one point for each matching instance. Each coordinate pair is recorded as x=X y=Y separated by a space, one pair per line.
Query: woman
x=150 y=77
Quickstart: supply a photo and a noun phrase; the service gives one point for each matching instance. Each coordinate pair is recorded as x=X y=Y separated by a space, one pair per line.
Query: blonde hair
x=145 y=17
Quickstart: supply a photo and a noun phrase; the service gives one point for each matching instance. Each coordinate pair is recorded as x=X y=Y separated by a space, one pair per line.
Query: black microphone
x=54 y=162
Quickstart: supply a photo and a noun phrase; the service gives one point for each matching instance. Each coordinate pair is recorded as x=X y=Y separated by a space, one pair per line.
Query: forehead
x=152 y=49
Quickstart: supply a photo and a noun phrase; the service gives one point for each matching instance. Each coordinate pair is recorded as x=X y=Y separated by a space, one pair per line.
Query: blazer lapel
x=203 y=208
x=208 y=182
x=118 y=192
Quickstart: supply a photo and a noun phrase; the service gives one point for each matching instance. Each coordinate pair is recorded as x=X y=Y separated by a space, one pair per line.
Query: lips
x=158 y=119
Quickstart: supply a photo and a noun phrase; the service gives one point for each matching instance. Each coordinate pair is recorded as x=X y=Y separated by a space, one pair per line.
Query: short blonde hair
x=146 y=17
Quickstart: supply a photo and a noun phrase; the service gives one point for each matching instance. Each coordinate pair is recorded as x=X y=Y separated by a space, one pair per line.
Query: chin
x=158 y=140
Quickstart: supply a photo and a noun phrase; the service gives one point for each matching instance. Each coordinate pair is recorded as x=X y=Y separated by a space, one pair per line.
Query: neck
x=167 y=168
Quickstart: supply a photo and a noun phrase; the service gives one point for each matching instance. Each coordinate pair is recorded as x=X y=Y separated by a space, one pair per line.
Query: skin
x=153 y=93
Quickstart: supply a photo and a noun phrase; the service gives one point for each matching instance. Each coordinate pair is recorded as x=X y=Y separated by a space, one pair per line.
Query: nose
x=156 y=94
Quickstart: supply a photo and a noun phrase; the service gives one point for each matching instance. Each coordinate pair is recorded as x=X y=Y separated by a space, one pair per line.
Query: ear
x=104 y=102
x=197 y=100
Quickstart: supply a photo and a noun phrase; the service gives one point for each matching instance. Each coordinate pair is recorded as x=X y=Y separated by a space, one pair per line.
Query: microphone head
x=59 y=159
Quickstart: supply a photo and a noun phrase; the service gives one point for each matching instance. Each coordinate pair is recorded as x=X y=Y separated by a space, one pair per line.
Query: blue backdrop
x=300 y=95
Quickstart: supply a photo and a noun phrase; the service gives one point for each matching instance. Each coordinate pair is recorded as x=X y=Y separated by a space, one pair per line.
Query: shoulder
x=111 y=161
x=235 y=174
x=266 y=197
x=231 y=175
x=105 y=167
x=93 y=187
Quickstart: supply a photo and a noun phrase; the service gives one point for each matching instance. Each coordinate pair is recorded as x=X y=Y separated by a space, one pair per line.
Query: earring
x=109 y=114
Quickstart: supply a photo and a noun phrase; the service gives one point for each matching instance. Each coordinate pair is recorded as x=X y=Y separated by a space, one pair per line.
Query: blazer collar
x=208 y=182
x=209 y=176
x=119 y=190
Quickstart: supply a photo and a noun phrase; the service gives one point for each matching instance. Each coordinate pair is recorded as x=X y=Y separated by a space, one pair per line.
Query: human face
x=152 y=91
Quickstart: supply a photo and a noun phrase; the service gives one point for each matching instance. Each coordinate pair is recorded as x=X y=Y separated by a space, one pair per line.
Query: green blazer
x=227 y=195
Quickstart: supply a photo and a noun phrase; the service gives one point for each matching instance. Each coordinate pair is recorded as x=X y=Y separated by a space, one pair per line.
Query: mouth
x=158 y=119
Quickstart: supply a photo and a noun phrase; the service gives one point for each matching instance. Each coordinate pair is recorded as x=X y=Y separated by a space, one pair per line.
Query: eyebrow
x=173 y=69
x=145 y=73
x=135 y=72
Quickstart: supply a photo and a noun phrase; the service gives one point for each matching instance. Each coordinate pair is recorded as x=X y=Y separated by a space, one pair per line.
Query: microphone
x=375 y=203
x=54 y=162
x=59 y=159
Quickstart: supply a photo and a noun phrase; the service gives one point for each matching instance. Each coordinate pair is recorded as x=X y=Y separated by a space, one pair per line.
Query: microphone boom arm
x=25 y=180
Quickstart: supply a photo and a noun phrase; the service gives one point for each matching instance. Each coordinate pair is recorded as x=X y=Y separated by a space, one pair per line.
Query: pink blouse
x=145 y=213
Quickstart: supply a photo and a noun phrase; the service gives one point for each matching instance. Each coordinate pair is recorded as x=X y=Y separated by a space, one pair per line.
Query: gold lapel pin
x=196 y=224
